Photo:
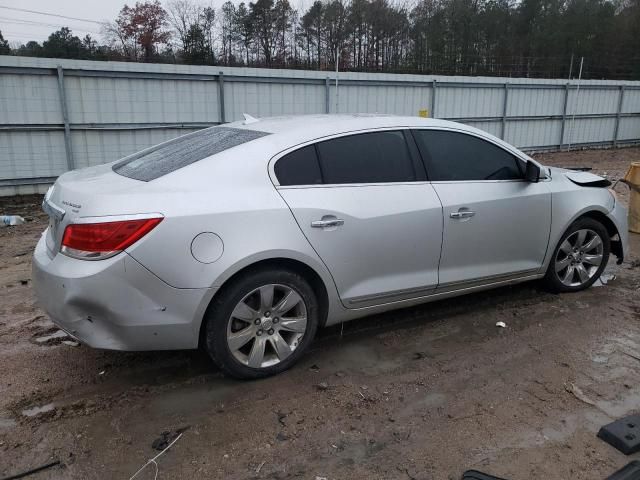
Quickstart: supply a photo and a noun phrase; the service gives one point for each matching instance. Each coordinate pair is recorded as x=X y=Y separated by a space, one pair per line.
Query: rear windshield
x=182 y=151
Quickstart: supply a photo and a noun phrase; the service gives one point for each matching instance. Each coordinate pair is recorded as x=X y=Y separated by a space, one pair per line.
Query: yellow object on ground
x=632 y=178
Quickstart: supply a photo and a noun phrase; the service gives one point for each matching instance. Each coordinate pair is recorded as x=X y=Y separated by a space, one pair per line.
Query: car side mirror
x=532 y=173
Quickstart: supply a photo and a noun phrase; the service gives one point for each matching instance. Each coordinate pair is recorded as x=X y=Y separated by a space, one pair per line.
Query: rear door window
x=300 y=167
x=376 y=157
x=455 y=156
x=182 y=151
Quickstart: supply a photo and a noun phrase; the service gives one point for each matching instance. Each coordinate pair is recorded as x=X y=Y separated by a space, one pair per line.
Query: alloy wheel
x=267 y=325
x=579 y=257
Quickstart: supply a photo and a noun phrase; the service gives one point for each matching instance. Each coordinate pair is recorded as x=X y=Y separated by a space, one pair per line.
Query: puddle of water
x=421 y=404
x=33 y=411
x=196 y=399
x=46 y=338
x=365 y=357
x=557 y=430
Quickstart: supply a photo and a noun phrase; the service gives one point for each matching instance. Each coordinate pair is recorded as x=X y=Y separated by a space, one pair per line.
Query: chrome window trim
x=274 y=179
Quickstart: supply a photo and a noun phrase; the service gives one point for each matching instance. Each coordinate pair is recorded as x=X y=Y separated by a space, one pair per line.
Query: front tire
x=579 y=258
x=261 y=323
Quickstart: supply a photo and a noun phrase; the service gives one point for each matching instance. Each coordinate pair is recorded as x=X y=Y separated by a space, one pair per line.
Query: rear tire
x=261 y=323
x=579 y=258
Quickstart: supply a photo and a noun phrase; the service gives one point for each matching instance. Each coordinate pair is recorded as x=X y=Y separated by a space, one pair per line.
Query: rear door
x=496 y=224
x=364 y=205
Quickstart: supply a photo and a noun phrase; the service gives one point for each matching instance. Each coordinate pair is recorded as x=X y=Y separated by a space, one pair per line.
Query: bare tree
x=182 y=14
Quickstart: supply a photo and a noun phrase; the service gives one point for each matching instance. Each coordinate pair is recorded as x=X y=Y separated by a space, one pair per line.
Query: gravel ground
x=422 y=393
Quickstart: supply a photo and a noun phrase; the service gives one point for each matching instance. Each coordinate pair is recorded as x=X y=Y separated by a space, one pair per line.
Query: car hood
x=584 y=179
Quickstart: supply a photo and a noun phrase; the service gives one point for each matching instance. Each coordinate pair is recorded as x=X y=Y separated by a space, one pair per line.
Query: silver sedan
x=245 y=238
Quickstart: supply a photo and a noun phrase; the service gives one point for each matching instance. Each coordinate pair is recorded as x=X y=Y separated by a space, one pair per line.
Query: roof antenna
x=248 y=119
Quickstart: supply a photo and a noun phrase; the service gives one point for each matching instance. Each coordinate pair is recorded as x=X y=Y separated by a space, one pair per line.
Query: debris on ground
x=55 y=338
x=166 y=438
x=604 y=279
x=501 y=324
x=322 y=386
x=11 y=220
x=578 y=393
x=32 y=471
x=623 y=434
x=39 y=409
x=420 y=355
x=153 y=460
x=475 y=475
x=281 y=417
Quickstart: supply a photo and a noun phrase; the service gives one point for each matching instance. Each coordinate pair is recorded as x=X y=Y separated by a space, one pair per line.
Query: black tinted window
x=299 y=167
x=376 y=157
x=457 y=156
x=182 y=151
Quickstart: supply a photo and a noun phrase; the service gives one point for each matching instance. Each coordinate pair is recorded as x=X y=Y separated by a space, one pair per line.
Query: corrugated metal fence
x=58 y=114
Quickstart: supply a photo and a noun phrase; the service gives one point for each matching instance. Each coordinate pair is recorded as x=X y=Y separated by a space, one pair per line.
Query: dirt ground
x=422 y=393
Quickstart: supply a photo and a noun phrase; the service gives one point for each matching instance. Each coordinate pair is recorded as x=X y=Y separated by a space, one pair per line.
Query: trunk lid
x=89 y=192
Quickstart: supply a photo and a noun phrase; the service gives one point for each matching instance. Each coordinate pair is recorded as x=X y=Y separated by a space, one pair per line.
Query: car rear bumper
x=116 y=304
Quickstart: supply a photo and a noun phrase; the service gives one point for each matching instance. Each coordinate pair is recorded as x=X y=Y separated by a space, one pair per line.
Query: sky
x=18 y=26
x=21 y=26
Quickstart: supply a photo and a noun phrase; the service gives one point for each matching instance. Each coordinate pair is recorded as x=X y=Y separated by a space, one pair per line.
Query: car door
x=496 y=224
x=363 y=203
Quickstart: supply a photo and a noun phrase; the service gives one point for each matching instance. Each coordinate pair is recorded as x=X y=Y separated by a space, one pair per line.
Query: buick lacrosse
x=245 y=238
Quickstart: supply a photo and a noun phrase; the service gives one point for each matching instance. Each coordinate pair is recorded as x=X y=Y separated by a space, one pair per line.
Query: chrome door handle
x=462 y=214
x=334 y=222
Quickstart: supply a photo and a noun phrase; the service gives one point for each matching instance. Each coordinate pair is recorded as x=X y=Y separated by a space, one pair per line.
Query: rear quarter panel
x=232 y=196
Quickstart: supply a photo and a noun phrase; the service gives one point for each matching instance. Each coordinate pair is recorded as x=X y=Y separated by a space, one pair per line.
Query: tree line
x=527 y=38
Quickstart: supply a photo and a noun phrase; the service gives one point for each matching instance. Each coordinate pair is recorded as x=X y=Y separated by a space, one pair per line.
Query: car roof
x=292 y=130
x=317 y=126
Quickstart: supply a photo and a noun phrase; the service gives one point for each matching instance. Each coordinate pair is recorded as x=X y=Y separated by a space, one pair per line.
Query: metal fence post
x=505 y=105
x=618 y=114
x=221 y=97
x=327 y=93
x=65 y=118
x=433 y=98
x=564 y=115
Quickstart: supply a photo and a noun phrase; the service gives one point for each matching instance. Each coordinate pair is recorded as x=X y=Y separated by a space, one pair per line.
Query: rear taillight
x=96 y=241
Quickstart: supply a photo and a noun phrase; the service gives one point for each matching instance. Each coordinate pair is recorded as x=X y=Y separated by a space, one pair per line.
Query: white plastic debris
x=53 y=336
x=501 y=324
x=604 y=279
x=11 y=220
